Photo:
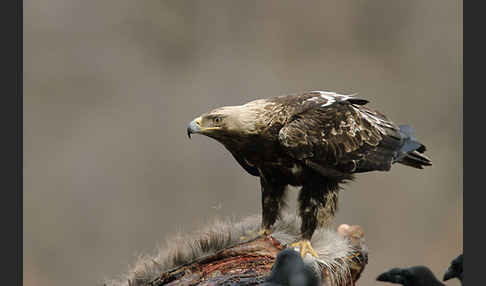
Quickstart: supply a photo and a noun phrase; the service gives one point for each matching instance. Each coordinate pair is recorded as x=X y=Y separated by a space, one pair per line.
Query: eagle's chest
x=275 y=161
x=265 y=154
x=256 y=150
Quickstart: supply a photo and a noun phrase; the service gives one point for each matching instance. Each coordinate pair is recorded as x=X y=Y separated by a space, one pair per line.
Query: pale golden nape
x=246 y=119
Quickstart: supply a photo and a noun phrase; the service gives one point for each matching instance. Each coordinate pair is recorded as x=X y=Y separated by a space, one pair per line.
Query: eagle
x=315 y=140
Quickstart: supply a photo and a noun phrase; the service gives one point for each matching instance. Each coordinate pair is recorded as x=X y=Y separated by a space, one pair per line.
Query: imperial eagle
x=316 y=140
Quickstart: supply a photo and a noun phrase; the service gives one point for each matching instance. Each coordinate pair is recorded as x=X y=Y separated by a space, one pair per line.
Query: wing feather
x=333 y=131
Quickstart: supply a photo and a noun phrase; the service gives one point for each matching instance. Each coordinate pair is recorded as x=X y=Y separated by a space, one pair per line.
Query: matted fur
x=332 y=249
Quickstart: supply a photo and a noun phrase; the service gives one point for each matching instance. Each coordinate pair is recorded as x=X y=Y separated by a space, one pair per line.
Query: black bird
x=455 y=270
x=412 y=276
x=290 y=270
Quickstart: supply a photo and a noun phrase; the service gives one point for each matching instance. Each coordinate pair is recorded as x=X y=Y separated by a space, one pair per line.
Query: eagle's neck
x=256 y=143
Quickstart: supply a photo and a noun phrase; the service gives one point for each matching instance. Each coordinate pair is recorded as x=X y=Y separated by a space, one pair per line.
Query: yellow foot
x=305 y=247
x=253 y=234
x=265 y=232
x=354 y=255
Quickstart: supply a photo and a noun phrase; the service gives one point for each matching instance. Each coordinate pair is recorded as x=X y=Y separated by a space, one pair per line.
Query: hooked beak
x=194 y=127
x=448 y=275
x=383 y=277
x=387 y=277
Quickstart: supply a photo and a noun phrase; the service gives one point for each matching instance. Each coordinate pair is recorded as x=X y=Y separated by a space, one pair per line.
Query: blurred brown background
x=110 y=86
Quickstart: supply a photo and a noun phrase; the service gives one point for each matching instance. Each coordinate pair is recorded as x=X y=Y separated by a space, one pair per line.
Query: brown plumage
x=316 y=140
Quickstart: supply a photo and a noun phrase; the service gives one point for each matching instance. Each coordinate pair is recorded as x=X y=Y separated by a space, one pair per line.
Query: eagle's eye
x=217 y=120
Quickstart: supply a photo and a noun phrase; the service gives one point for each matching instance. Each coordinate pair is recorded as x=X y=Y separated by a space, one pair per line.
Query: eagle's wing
x=337 y=133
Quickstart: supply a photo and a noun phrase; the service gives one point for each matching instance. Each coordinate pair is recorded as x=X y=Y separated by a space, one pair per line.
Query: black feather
x=412 y=276
x=422 y=149
x=290 y=270
x=409 y=152
x=455 y=270
x=358 y=101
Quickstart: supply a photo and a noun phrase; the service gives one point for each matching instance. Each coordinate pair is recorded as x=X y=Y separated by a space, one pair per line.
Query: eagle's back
x=326 y=131
x=333 y=134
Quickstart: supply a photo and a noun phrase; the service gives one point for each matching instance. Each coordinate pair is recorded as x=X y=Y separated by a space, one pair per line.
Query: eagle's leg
x=273 y=199
x=273 y=193
x=317 y=207
x=326 y=214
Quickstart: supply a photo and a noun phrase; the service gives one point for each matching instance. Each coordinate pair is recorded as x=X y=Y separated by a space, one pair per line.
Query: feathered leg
x=273 y=200
x=325 y=215
x=273 y=193
x=318 y=204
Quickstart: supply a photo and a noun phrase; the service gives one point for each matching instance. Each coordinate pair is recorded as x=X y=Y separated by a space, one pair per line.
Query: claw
x=305 y=247
x=253 y=234
x=353 y=256
x=265 y=232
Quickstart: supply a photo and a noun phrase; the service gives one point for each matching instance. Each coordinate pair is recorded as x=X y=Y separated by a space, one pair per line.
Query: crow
x=290 y=270
x=412 y=276
x=455 y=270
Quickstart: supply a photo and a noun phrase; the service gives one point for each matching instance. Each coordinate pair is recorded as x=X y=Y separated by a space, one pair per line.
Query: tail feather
x=410 y=152
x=416 y=160
x=422 y=149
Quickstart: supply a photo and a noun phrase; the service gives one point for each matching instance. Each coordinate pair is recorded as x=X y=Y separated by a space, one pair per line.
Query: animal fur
x=332 y=248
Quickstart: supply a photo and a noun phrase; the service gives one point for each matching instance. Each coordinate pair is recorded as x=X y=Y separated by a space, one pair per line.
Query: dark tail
x=410 y=152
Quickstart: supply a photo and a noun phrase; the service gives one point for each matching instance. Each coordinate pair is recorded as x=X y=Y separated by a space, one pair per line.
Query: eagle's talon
x=265 y=232
x=253 y=234
x=353 y=256
x=305 y=247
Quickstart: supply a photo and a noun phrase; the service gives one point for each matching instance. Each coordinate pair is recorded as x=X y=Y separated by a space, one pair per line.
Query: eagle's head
x=229 y=121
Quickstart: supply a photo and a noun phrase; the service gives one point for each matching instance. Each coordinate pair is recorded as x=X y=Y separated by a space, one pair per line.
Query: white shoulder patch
x=330 y=97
